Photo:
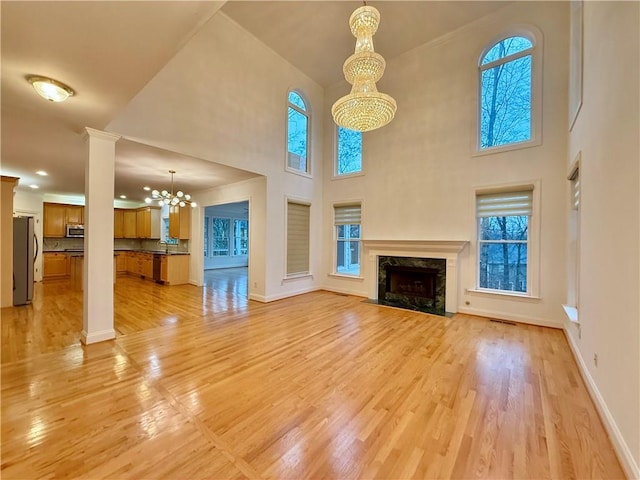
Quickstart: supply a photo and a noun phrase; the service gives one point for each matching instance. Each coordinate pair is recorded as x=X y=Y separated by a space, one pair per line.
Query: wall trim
x=345 y=291
x=630 y=467
x=95 y=337
x=541 y=322
x=280 y=296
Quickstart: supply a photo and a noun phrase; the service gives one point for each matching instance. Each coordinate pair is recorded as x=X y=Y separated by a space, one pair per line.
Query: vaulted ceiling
x=108 y=51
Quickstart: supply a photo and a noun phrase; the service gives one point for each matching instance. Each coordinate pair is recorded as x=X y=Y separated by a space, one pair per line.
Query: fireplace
x=412 y=283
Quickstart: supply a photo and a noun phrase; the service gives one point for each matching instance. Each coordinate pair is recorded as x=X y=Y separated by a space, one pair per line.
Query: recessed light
x=146 y=189
x=42 y=173
x=50 y=89
x=34 y=186
x=123 y=196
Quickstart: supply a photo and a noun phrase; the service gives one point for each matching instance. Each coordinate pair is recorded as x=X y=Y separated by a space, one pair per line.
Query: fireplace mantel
x=448 y=249
x=453 y=246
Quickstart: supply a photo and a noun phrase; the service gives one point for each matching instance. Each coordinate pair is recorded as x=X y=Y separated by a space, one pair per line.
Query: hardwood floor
x=201 y=383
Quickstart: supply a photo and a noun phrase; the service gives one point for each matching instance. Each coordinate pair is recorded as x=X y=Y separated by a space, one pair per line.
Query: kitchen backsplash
x=62 y=244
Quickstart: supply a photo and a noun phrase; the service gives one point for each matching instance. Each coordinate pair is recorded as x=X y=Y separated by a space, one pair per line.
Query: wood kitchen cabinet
x=148 y=222
x=74 y=215
x=121 y=262
x=55 y=265
x=174 y=269
x=180 y=222
x=118 y=223
x=54 y=224
x=130 y=229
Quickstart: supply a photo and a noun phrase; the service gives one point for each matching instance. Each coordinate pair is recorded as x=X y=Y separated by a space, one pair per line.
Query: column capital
x=92 y=132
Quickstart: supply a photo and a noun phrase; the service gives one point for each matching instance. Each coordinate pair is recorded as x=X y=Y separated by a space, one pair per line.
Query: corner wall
x=606 y=132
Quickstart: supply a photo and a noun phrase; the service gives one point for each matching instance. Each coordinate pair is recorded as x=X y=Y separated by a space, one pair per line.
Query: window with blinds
x=503 y=239
x=347 y=220
x=298 y=215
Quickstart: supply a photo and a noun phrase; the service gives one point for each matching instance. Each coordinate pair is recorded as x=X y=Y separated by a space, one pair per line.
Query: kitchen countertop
x=76 y=253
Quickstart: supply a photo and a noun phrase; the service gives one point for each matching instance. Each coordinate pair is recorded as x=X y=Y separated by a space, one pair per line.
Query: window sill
x=297 y=276
x=343 y=275
x=572 y=314
x=508 y=295
x=507 y=148
x=298 y=172
x=347 y=175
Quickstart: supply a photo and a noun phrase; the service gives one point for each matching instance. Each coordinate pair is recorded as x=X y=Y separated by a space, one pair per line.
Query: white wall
x=607 y=133
x=419 y=170
x=223 y=98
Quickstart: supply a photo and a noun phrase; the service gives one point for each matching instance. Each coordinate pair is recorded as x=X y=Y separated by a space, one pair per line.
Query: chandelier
x=364 y=108
x=169 y=198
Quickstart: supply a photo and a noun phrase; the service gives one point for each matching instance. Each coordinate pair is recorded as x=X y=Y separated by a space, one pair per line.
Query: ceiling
x=108 y=51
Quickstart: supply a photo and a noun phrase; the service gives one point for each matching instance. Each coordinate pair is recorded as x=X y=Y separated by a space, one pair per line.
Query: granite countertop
x=78 y=252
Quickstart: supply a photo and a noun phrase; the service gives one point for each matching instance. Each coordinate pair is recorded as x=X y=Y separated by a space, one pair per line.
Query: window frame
x=573 y=251
x=534 y=35
x=336 y=139
x=307 y=114
x=533 y=239
x=336 y=239
x=307 y=273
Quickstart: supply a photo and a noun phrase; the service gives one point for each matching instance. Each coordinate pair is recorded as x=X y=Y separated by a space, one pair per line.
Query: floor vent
x=342 y=294
x=506 y=322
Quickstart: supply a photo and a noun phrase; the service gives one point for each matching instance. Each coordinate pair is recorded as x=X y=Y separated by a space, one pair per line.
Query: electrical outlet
x=255 y=284
x=595 y=359
x=467 y=302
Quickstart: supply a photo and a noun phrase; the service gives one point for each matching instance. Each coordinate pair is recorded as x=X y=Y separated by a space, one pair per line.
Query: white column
x=97 y=320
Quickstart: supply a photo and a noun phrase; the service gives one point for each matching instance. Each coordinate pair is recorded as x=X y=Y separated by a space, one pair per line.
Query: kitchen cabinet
x=54 y=224
x=180 y=222
x=118 y=223
x=130 y=224
x=55 y=265
x=74 y=214
x=121 y=262
x=148 y=222
x=174 y=269
x=140 y=263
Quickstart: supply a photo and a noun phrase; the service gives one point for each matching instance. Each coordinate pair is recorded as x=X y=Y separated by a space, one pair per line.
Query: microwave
x=75 y=231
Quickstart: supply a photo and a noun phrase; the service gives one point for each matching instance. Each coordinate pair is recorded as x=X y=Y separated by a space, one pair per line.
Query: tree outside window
x=349 y=152
x=297 y=133
x=505 y=93
x=220 y=227
x=241 y=237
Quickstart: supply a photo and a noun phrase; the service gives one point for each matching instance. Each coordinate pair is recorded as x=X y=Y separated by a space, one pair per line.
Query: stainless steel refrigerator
x=24 y=255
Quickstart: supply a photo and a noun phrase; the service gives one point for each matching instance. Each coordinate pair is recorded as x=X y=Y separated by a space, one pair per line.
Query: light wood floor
x=201 y=383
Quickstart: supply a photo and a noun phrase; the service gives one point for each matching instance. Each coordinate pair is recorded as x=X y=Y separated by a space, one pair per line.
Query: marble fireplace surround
x=447 y=249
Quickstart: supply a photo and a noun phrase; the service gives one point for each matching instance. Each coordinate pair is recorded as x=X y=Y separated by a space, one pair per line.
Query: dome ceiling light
x=50 y=89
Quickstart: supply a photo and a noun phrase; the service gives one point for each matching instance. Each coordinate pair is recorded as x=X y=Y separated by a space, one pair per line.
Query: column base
x=95 y=337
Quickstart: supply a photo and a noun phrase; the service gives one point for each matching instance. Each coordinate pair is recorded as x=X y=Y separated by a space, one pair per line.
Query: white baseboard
x=510 y=316
x=625 y=456
x=273 y=298
x=95 y=337
x=344 y=291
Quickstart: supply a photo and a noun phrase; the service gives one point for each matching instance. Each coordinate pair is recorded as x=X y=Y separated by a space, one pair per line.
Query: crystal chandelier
x=364 y=108
x=169 y=198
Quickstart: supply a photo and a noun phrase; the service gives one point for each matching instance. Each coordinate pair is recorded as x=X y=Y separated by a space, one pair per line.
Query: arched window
x=506 y=107
x=297 y=134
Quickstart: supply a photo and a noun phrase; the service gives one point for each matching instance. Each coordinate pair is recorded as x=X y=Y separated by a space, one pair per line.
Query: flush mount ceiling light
x=50 y=89
x=169 y=198
x=364 y=108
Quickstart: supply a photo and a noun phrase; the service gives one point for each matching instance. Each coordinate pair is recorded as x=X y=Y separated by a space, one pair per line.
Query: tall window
x=349 y=152
x=298 y=215
x=503 y=240
x=297 y=134
x=505 y=104
x=573 y=289
x=240 y=237
x=348 y=236
x=220 y=227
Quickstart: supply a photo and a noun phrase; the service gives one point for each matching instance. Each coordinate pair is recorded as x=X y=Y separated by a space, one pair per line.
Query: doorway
x=226 y=243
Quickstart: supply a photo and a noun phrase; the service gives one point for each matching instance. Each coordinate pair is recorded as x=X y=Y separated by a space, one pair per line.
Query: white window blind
x=297 y=238
x=347 y=215
x=504 y=204
x=575 y=189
